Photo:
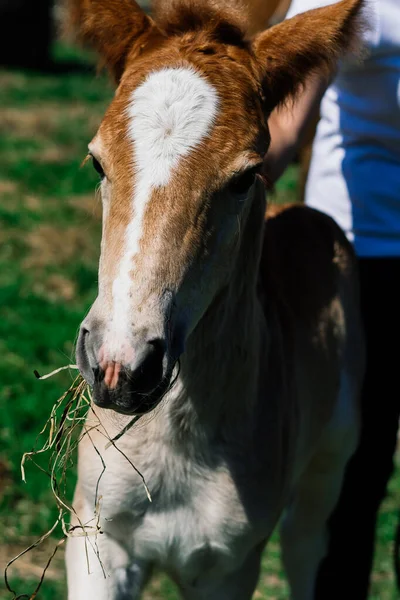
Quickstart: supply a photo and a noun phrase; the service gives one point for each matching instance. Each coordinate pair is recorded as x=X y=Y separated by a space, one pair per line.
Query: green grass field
x=49 y=245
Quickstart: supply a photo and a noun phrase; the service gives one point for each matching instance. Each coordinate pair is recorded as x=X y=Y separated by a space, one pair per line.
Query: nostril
x=158 y=347
x=98 y=374
x=82 y=357
x=148 y=373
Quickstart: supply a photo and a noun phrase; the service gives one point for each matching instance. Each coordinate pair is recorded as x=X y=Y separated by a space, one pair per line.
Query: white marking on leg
x=169 y=114
x=95 y=579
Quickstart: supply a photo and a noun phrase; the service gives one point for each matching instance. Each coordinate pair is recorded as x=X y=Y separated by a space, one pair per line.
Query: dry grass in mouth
x=62 y=432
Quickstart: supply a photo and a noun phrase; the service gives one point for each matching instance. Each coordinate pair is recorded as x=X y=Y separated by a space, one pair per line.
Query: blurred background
x=51 y=103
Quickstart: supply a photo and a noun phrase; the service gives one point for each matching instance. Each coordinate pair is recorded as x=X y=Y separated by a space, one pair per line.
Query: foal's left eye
x=97 y=166
x=241 y=184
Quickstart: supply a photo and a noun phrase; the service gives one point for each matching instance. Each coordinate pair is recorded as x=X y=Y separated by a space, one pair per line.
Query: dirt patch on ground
x=55 y=287
x=33 y=203
x=50 y=254
x=39 y=120
x=5 y=475
x=49 y=245
x=31 y=564
x=42 y=120
x=54 y=154
x=8 y=187
x=89 y=204
x=11 y=79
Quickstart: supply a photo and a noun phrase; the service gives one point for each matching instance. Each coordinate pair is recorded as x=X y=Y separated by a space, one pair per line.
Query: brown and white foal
x=263 y=315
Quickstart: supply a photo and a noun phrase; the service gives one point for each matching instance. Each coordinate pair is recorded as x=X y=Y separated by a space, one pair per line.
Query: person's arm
x=289 y=125
x=259 y=14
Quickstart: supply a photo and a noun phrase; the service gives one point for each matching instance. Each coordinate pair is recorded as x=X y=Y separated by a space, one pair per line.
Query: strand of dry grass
x=63 y=431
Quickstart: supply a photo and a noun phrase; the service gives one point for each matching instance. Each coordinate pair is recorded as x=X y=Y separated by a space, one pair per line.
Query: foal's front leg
x=238 y=585
x=98 y=567
x=304 y=533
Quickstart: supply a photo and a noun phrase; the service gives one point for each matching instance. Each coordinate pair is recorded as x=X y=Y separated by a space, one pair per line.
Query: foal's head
x=179 y=152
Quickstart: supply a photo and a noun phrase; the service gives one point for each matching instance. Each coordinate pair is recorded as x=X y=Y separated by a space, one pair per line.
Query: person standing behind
x=354 y=176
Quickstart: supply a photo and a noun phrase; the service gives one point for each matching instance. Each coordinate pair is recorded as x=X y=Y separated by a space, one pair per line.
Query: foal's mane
x=224 y=21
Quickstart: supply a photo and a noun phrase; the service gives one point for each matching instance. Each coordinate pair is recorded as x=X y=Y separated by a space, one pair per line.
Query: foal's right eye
x=97 y=166
x=241 y=184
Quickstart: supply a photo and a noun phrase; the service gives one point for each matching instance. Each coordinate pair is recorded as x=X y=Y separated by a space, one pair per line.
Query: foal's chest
x=205 y=515
x=196 y=525
x=200 y=529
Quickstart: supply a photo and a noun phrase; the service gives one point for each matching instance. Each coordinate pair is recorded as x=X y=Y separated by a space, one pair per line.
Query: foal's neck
x=218 y=386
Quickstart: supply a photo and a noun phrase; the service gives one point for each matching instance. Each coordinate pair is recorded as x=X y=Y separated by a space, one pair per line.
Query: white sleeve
x=300 y=6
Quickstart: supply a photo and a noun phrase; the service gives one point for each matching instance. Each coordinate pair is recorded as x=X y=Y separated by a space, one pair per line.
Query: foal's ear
x=111 y=27
x=310 y=42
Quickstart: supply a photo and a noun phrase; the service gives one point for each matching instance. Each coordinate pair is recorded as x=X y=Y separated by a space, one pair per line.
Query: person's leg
x=345 y=571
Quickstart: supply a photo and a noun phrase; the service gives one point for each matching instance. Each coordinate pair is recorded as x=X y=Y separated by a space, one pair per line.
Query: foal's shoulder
x=305 y=256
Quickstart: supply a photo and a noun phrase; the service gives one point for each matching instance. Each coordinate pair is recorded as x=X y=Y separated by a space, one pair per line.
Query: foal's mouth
x=125 y=398
x=130 y=379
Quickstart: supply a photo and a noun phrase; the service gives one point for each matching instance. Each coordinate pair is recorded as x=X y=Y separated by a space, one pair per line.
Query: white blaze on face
x=169 y=114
